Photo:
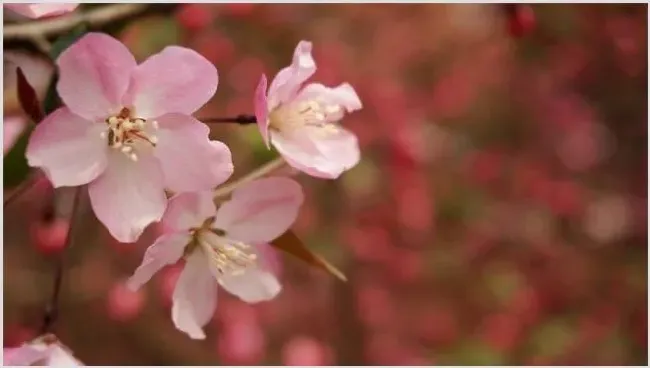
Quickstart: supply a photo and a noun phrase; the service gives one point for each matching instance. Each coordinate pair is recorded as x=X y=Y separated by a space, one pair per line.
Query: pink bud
x=124 y=304
x=50 y=238
x=306 y=351
x=242 y=342
x=168 y=282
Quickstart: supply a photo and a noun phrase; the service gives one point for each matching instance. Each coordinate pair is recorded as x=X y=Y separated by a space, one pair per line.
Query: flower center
x=310 y=113
x=129 y=134
x=224 y=254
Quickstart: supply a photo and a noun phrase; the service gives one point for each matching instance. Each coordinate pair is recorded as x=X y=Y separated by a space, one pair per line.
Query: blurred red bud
x=520 y=18
x=124 y=304
x=194 y=16
x=49 y=238
x=306 y=351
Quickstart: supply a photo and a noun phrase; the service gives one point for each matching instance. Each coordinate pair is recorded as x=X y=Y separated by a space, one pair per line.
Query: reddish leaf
x=28 y=99
x=291 y=244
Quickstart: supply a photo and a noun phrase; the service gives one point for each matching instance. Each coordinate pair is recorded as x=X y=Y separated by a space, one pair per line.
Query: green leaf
x=291 y=244
x=15 y=168
x=63 y=42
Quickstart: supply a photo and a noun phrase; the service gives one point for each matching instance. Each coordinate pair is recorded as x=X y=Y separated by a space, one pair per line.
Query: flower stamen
x=128 y=134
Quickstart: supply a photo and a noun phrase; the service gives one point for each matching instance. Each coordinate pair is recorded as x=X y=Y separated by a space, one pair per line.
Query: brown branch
x=22 y=188
x=239 y=119
x=52 y=308
x=94 y=18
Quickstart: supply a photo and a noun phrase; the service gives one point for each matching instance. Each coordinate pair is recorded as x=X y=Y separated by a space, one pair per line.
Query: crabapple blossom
x=302 y=123
x=126 y=131
x=45 y=351
x=219 y=247
x=33 y=11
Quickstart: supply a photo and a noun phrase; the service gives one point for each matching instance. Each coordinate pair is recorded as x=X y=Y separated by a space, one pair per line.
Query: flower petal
x=340 y=147
x=128 y=196
x=68 y=148
x=167 y=249
x=12 y=127
x=262 y=110
x=176 y=80
x=24 y=355
x=252 y=286
x=94 y=75
x=189 y=160
x=187 y=210
x=288 y=80
x=195 y=297
x=41 y=10
x=261 y=210
x=309 y=161
x=343 y=96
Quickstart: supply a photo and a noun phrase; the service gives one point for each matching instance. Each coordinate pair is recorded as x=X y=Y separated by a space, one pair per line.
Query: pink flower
x=12 y=128
x=302 y=123
x=126 y=131
x=218 y=247
x=31 y=10
x=40 y=352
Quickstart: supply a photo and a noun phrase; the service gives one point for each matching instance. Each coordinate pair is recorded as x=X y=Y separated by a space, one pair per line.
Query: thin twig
x=22 y=188
x=52 y=308
x=261 y=171
x=94 y=18
x=239 y=119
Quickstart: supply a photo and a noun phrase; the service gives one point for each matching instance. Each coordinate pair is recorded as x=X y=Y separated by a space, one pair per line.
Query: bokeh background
x=498 y=215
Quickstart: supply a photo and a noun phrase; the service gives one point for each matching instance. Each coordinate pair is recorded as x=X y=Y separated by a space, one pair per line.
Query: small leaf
x=27 y=97
x=291 y=244
x=52 y=100
x=63 y=42
x=15 y=168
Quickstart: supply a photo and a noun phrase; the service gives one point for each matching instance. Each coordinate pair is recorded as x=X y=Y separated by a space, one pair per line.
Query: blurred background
x=498 y=215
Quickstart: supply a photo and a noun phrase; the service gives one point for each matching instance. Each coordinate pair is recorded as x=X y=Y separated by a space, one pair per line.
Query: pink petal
x=128 y=196
x=261 y=210
x=311 y=162
x=195 y=296
x=166 y=250
x=288 y=80
x=189 y=160
x=341 y=148
x=342 y=95
x=41 y=10
x=94 y=74
x=59 y=357
x=176 y=80
x=252 y=286
x=68 y=148
x=262 y=110
x=24 y=355
x=187 y=210
x=12 y=127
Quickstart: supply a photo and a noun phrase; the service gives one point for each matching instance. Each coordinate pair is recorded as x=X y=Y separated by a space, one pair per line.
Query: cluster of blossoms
x=126 y=131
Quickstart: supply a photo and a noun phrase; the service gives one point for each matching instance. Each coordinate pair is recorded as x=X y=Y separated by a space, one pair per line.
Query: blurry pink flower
x=302 y=122
x=218 y=244
x=40 y=353
x=31 y=10
x=12 y=128
x=126 y=130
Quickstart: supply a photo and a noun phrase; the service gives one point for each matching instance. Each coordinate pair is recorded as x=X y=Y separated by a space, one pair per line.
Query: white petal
x=252 y=286
x=167 y=249
x=195 y=297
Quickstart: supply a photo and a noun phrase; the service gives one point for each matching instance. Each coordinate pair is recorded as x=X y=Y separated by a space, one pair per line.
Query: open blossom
x=126 y=131
x=45 y=351
x=220 y=247
x=302 y=123
x=32 y=10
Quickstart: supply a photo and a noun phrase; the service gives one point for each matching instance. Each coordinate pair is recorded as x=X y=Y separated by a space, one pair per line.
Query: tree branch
x=94 y=18
x=22 y=188
x=52 y=308
x=242 y=119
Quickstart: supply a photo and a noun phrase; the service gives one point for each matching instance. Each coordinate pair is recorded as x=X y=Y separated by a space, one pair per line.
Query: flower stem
x=52 y=308
x=261 y=171
x=242 y=119
x=22 y=188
